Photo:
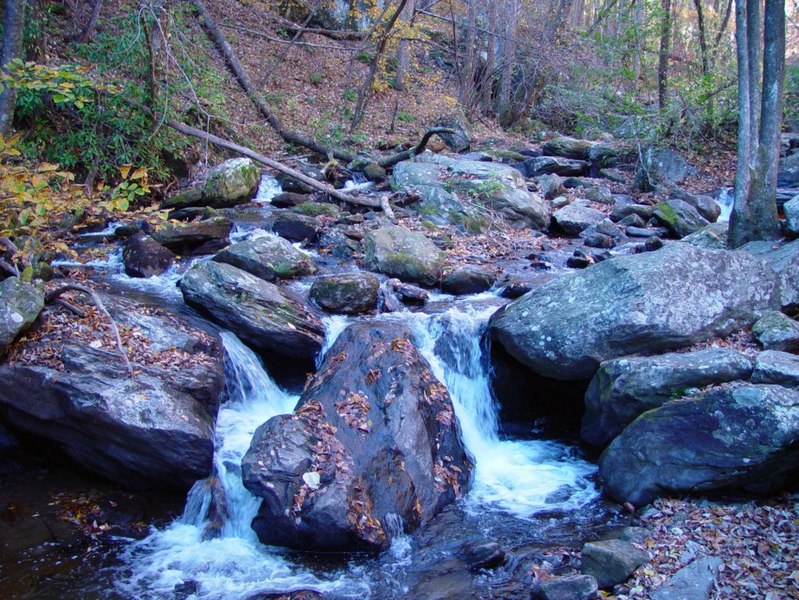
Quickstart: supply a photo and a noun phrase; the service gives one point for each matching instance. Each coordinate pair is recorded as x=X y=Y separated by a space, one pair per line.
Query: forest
x=399 y=299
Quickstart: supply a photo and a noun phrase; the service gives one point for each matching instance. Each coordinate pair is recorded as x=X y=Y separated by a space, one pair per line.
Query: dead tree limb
x=245 y=82
x=270 y=38
x=390 y=161
x=84 y=34
x=55 y=294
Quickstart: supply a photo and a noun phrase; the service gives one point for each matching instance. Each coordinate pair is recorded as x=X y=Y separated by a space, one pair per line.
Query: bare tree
x=754 y=214
x=13 y=23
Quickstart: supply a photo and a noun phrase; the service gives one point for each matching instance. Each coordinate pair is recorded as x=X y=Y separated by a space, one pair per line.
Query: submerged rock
x=651 y=302
x=680 y=217
x=374 y=439
x=269 y=257
x=152 y=429
x=624 y=388
x=404 y=254
x=740 y=439
x=20 y=305
x=255 y=310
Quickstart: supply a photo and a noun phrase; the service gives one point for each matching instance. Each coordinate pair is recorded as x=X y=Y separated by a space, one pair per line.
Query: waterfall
x=521 y=477
x=229 y=562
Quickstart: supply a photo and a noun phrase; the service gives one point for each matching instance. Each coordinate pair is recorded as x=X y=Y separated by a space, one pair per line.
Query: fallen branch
x=245 y=82
x=417 y=149
x=270 y=38
x=55 y=294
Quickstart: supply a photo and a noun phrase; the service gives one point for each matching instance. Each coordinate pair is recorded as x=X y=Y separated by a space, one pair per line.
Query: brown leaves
x=354 y=409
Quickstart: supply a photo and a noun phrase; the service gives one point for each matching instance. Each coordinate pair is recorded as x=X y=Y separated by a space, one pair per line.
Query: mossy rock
x=232 y=182
x=408 y=256
x=317 y=209
x=347 y=293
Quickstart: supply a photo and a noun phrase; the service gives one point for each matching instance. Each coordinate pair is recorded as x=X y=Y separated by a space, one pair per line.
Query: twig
x=71 y=308
x=54 y=295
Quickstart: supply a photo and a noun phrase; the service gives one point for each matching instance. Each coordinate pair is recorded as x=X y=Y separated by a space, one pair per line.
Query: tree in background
x=754 y=214
x=13 y=22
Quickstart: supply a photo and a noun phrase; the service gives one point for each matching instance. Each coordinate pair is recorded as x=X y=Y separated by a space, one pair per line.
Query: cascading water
x=230 y=564
x=518 y=476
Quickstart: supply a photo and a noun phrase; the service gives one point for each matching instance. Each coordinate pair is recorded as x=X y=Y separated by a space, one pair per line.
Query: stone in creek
x=611 y=561
x=144 y=257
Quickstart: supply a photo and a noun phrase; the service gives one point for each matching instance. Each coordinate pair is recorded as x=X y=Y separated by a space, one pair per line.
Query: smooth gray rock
x=269 y=257
x=373 y=435
x=404 y=254
x=651 y=302
x=546 y=165
x=346 y=293
x=624 y=388
x=255 y=310
x=660 y=166
x=780 y=368
x=692 y=582
x=791 y=210
x=680 y=217
x=611 y=561
x=567 y=147
x=784 y=260
x=777 y=331
x=571 y=587
x=469 y=279
x=740 y=439
x=153 y=429
x=20 y=305
x=296 y=227
x=231 y=182
x=576 y=217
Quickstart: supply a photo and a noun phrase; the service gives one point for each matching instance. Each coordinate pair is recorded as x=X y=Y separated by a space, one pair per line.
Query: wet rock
x=576 y=217
x=632 y=220
x=189 y=197
x=580 y=259
x=791 y=210
x=144 y=257
x=648 y=302
x=546 y=165
x=599 y=240
x=269 y=257
x=622 y=210
x=232 y=182
x=693 y=582
x=153 y=429
x=20 y=305
x=712 y=237
x=406 y=255
x=749 y=432
x=706 y=206
x=776 y=331
x=681 y=218
x=780 y=368
x=470 y=279
x=255 y=310
x=347 y=293
x=317 y=209
x=290 y=199
x=515 y=289
x=567 y=147
x=600 y=195
x=293 y=595
x=571 y=587
x=374 y=438
x=611 y=562
x=482 y=555
x=458 y=141
x=197 y=237
x=625 y=388
x=409 y=295
x=784 y=260
x=295 y=227
x=660 y=166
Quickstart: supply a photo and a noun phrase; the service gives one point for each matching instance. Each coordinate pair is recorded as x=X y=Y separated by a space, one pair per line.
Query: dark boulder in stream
x=663 y=300
x=255 y=310
x=374 y=441
x=144 y=257
x=152 y=429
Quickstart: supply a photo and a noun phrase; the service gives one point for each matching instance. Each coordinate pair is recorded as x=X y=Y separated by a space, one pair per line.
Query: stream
x=528 y=492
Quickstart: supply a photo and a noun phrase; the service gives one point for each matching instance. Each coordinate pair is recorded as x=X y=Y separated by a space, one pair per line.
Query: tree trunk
x=466 y=92
x=13 y=23
x=404 y=49
x=663 y=58
x=754 y=214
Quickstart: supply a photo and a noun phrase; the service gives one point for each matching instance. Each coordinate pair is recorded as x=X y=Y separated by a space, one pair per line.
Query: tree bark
x=663 y=58
x=85 y=34
x=13 y=23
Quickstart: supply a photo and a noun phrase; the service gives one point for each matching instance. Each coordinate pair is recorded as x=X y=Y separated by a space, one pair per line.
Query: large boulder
x=775 y=366
x=346 y=293
x=374 y=437
x=254 y=309
x=710 y=237
x=152 y=429
x=404 y=254
x=789 y=171
x=231 y=182
x=453 y=191
x=269 y=257
x=784 y=260
x=741 y=439
x=624 y=388
x=661 y=166
x=296 y=227
x=643 y=303
x=611 y=562
x=567 y=147
x=198 y=237
x=777 y=331
x=791 y=210
x=468 y=279
x=546 y=165
x=144 y=257
x=20 y=305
